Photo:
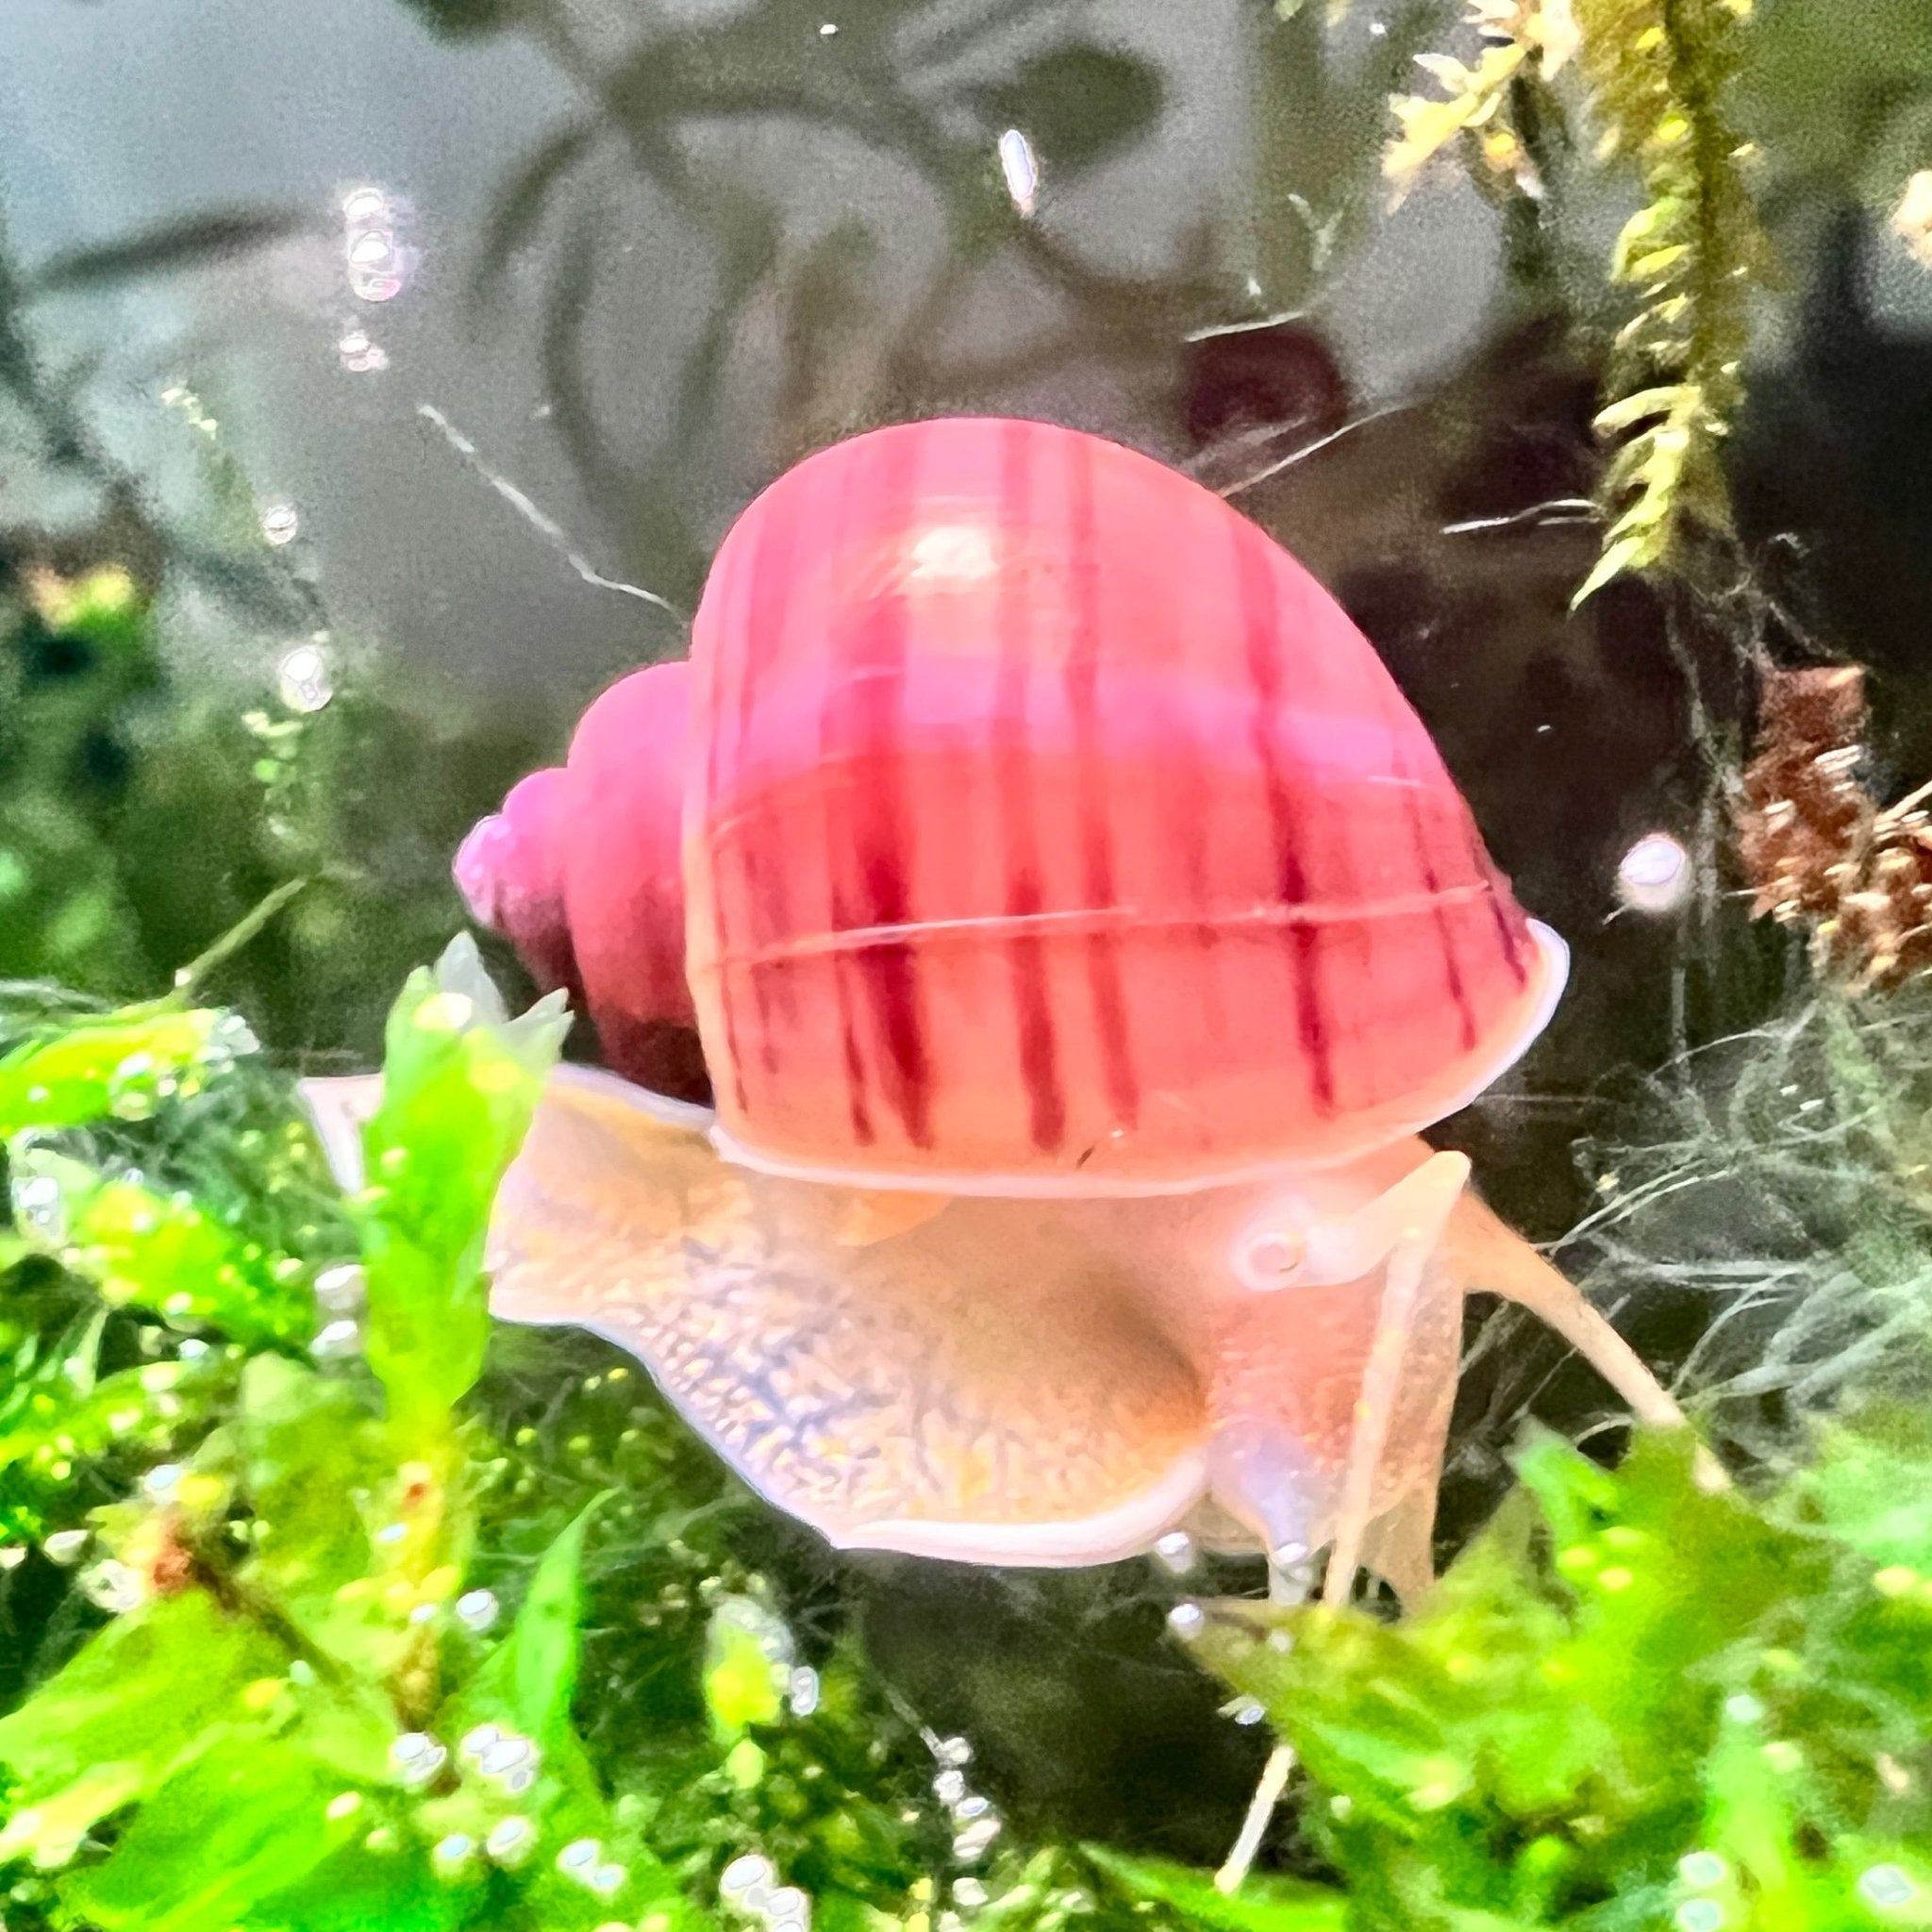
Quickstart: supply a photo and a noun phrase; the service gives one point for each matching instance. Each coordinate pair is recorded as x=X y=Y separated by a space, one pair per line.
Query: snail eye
x=1272 y=1259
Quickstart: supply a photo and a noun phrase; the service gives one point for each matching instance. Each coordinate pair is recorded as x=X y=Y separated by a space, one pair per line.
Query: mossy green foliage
x=1660 y=77
x=1635 y=1700
x=79 y=669
x=1663 y=73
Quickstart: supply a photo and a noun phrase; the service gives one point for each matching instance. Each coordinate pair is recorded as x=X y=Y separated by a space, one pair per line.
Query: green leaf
x=356 y=1889
x=459 y=1085
x=1263 y=1904
x=241 y=1822
x=1495 y=1757
x=531 y=1676
x=1627 y=412
x=1076 y=103
x=1873 y=1486
x=146 y=1408
x=119 y=1067
x=1626 y=554
x=141 y=1699
x=309 y=1450
x=160 y=1251
x=747 y=1665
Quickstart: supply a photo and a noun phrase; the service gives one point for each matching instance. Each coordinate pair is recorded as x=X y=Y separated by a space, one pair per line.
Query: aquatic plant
x=1660 y=77
x=1632 y=1701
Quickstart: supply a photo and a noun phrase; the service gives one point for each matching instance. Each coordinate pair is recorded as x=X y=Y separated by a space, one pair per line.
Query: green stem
x=188 y=979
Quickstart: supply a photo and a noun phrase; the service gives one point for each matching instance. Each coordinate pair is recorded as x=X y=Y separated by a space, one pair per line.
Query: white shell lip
x=1553 y=955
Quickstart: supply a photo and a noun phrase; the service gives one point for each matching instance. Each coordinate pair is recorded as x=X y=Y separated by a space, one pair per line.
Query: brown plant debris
x=1816 y=846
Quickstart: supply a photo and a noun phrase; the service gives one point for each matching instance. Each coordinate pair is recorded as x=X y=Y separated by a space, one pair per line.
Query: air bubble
x=477 y=1609
x=378 y=262
x=303 y=681
x=38 y=1205
x=1186 y=1620
x=949 y=1787
x=336 y=1342
x=65 y=1546
x=578 y=1856
x=763 y=1626
x=1702 y=1869
x=803 y=1697
x=280 y=524
x=510 y=1842
x=1699 y=1915
x=1175 y=1553
x=789 y=1906
x=506 y=1755
x=976 y=1839
x=747 y=1882
x=956 y=1752
x=343 y=1288
x=1655 y=874
x=1887 y=1887
x=454 y=1852
x=1020 y=170
x=417 y=1758
x=358 y=354
x=114 y=1588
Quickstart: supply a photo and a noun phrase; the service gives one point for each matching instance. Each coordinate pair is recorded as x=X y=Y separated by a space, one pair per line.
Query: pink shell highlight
x=623 y=888
x=509 y=871
x=1052 y=830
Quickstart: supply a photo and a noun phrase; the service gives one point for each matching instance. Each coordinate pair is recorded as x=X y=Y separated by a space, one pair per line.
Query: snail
x=1081 y=929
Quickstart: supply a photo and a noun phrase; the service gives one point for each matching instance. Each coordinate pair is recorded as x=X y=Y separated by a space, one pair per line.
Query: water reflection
x=687 y=245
